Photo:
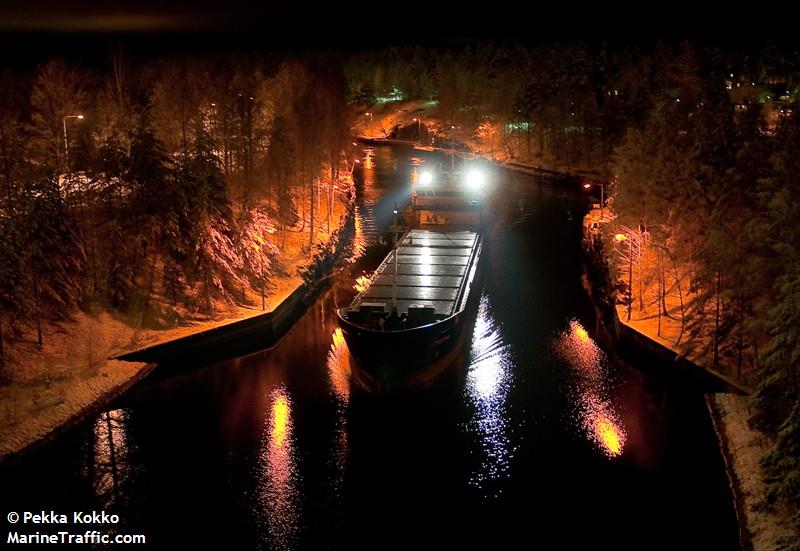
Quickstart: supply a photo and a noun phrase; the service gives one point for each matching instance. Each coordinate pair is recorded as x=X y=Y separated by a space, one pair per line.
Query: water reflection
x=339 y=374
x=359 y=239
x=277 y=465
x=108 y=467
x=339 y=370
x=488 y=383
x=369 y=158
x=595 y=412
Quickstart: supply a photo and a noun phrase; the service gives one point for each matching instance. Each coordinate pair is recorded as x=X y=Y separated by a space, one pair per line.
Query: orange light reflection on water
x=277 y=465
x=110 y=466
x=610 y=435
x=359 y=239
x=339 y=370
x=339 y=374
x=280 y=420
x=595 y=412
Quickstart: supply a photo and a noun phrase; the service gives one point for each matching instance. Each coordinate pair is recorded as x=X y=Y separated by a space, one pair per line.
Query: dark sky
x=367 y=24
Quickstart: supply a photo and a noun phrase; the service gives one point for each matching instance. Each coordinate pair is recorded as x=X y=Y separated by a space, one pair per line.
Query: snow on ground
x=377 y=121
x=743 y=449
x=73 y=371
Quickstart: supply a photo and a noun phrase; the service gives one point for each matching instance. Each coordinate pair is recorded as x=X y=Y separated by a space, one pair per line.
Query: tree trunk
x=38 y=312
x=311 y=213
x=2 y=351
x=716 y=323
x=660 y=291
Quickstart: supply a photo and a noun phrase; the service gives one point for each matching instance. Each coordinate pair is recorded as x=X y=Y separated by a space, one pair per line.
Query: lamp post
x=588 y=185
x=395 y=229
x=419 y=131
x=66 y=143
x=619 y=238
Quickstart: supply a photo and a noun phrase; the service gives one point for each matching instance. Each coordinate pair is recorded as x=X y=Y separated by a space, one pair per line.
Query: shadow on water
x=535 y=436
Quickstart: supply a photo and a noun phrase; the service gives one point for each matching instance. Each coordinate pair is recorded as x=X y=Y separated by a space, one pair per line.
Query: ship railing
x=468 y=276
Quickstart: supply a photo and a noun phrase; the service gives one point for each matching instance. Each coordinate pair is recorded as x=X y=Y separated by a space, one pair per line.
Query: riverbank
x=75 y=373
x=743 y=450
x=741 y=447
x=760 y=527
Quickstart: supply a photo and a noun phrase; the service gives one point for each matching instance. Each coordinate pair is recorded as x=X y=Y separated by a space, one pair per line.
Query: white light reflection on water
x=488 y=384
x=277 y=465
x=109 y=467
x=594 y=411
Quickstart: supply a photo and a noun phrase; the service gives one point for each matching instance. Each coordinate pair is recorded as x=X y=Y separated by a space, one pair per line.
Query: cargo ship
x=414 y=310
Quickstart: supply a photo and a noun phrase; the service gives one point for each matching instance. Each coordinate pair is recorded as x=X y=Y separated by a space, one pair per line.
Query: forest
x=158 y=188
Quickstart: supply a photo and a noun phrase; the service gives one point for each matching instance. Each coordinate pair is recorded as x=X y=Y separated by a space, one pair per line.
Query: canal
x=533 y=438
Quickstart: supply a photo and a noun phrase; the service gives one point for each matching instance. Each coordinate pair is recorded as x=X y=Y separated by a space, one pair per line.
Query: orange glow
x=359 y=239
x=609 y=435
x=620 y=237
x=280 y=419
x=278 y=501
x=362 y=284
x=339 y=366
x=594 y=411
x=110 y=466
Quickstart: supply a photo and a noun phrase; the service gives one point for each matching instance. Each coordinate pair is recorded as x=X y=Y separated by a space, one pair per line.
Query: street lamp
x=588 y=185
x=620 y=237
x=419 y=131
x=66 y=143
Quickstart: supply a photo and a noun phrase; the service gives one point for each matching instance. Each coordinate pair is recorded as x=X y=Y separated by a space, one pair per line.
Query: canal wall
x=742 y=448
x=258 y=332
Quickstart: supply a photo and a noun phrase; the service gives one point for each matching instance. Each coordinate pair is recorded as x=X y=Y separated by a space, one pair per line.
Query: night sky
x=372 y=24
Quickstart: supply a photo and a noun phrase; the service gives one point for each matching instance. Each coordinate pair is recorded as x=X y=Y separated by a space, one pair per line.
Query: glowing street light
x=66 y=143
x=588 y=185
x=419 y=130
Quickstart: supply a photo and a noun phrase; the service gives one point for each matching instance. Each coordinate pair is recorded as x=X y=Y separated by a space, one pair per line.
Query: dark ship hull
x=433 y=279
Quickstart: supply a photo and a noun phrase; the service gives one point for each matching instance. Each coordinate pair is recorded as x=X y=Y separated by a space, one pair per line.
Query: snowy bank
x=743 y=448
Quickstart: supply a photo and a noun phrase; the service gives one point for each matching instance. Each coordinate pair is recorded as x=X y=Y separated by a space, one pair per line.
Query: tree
x=279 y=163
x=54 y=260
x=58 y=91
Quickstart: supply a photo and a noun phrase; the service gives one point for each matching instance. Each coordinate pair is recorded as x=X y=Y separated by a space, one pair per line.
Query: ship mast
x=395 y=229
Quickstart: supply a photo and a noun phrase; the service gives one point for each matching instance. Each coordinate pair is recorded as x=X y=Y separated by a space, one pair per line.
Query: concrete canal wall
x=727 y=401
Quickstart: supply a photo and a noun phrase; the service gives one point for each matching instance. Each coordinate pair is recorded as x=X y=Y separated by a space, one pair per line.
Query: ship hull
x=416 y=354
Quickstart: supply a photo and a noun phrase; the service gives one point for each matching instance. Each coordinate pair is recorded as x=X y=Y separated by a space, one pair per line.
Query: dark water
x=533 y=439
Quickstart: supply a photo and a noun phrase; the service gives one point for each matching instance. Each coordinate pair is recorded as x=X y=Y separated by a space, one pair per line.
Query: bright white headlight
x=425 y=178
x=475 y=179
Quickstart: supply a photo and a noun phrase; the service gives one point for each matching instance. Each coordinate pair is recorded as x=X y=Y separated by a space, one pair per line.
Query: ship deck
x=432 y=268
